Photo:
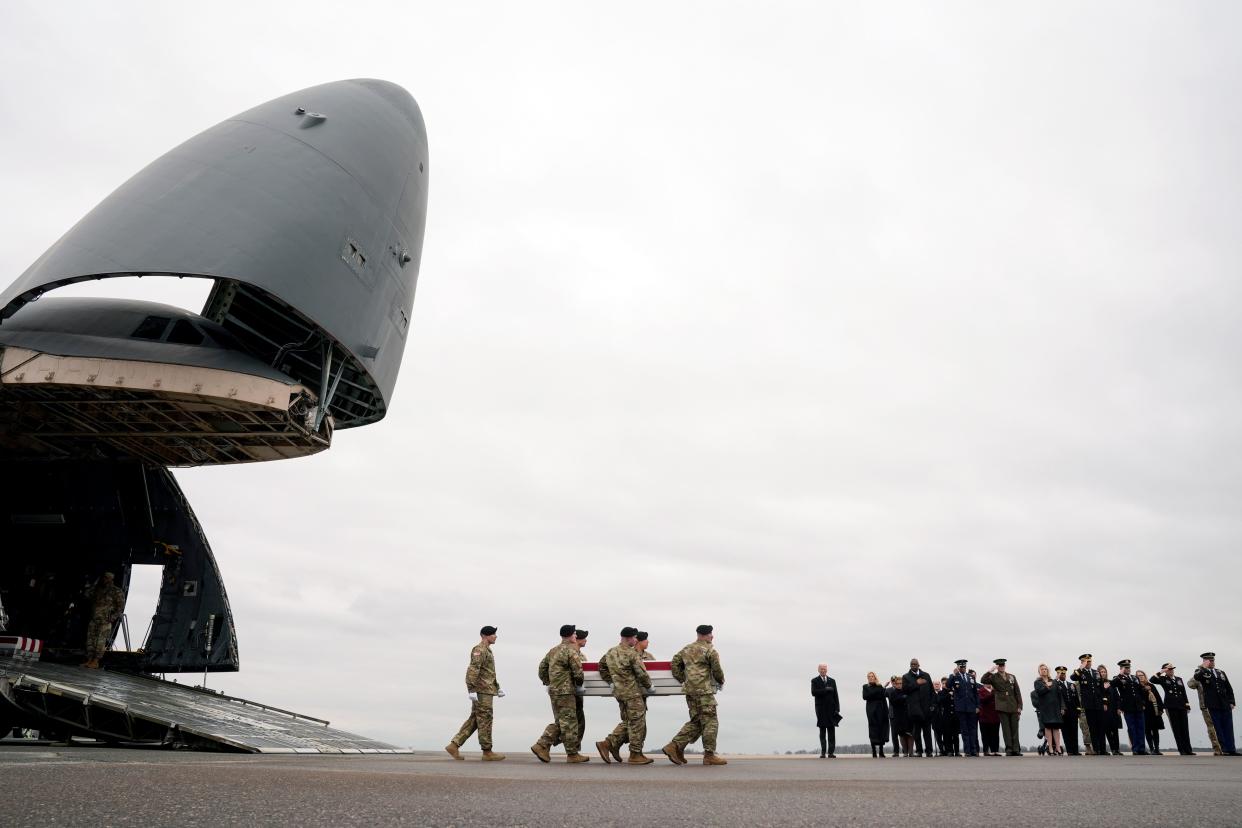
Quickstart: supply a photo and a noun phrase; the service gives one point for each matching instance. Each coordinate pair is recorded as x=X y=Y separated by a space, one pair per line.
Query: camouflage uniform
x=1207 y=717
x=697 y=667
x=561 y=671
x=579 y=708
x=480 y=680
x=109 y=602
x=622 y=667
x=646 y=656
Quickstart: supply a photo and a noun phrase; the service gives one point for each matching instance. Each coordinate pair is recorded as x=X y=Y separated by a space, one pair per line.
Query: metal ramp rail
x=123 y=707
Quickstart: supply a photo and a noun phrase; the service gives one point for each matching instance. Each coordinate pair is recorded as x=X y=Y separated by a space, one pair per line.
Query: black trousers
x=921 y=728
x=827 y=740
x=991 y=736
x=1069 y=732
x=1181 y=733
x=1095 y=724
x=1114 y=738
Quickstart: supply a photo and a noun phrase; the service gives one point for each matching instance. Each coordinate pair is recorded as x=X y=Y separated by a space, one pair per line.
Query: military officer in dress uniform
x=1008 y=704
x=1069 y=731
x=1219 y=698
x=1091 y=694
x=697 y=667
x=481 y=686
x=1176 y=703
x=965 y=691
x=1132 y=698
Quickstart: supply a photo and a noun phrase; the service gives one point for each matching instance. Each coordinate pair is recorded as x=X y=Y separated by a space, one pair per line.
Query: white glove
x=648 y=691
x=578 y=691
x=500 y=694
x=473 y=696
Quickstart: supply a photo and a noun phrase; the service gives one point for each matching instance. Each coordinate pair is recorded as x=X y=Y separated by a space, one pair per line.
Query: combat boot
x=605 y=751
x=575 y=758
x=639 y=759
x=713 y=759
x=673 y=751
x=541 y=752
x=491 y=756
x=451 y=750
x=615 y=751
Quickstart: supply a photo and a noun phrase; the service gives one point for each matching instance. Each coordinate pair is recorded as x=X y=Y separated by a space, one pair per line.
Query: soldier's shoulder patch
x=476 y=654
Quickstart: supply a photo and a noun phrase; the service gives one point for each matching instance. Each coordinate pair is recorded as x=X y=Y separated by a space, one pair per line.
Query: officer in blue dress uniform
x=965 y=692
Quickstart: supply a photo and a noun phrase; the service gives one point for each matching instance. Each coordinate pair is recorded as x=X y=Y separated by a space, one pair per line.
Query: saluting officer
x=1091 y=693
x=965 y=692
x=1073 y=707
x=481 y=686
x=1219 y=698
x=1008 y=704
x=1132 y=698
x=1176 y=703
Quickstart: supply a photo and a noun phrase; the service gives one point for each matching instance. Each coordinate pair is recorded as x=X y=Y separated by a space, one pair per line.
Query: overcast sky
x=862 y=333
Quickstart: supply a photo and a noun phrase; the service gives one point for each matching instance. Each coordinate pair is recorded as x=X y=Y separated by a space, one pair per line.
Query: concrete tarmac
x=85 y=785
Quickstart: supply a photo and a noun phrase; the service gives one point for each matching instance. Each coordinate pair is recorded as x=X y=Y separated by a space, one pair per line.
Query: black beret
x=642 y=635
x=581 y=634
x=487 y=631
x=628 y=632
x=567 y=630
x=704 y=629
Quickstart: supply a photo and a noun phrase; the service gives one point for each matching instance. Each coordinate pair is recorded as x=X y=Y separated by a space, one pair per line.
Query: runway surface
x=107 y=786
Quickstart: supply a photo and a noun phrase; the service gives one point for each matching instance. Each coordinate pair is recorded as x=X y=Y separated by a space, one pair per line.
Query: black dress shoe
x=832 y=756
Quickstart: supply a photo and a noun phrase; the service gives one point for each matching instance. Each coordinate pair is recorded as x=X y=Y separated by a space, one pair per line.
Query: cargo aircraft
x=306 y=214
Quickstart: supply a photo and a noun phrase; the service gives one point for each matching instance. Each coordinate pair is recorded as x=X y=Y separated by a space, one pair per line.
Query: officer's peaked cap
x=1208 y=655
x=1125 y=662
x=960 y=662
x=999 y=661
x=1084 y=656
x=1061 y=669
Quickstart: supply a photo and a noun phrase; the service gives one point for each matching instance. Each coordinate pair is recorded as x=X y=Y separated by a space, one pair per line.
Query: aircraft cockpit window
x=183 y=333
x=151 y=328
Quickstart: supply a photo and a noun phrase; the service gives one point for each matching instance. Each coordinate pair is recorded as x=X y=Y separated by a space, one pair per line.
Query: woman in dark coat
x=877 y=714
x=1153 y=714
x=899 y=717
x=1050 y=707
x=1112 y=712
x=989 y=722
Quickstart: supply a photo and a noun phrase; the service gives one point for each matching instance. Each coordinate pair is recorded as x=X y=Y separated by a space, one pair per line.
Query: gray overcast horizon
x=862 y=333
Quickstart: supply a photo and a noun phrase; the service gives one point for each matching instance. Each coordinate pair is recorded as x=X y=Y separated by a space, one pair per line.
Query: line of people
x=911 y=707
x=696 y=666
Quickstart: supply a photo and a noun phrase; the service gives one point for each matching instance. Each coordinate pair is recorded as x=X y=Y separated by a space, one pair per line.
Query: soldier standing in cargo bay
x=561 y=671
x=482 y=687
x=697 y=667
x=109 y=602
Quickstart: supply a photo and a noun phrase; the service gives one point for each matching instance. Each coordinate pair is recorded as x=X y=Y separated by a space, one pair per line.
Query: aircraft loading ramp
x=128 y=708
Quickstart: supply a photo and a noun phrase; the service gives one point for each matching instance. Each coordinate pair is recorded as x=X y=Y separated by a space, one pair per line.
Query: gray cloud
x=859 y=335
